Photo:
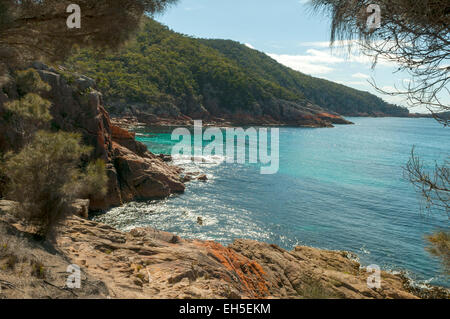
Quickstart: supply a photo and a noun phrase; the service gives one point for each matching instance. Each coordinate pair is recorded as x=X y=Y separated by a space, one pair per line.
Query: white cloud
x=318 y=61
x=348 y=50
x=301 y=63
x=248 y=45
x=315 y=62
x=349 y=83
x=315 y=44
x=360 y=76
x=318 y=56
x=389 y=89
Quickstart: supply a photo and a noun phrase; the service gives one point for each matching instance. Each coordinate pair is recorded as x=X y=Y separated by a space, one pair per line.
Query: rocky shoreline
x=148 y=263
x=310 y=116
x=131 y=122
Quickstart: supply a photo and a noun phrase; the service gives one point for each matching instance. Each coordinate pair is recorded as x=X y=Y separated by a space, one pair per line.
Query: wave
x=198 y=160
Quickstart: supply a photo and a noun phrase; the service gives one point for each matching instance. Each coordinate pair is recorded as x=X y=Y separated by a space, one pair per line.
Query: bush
x=29 y=81
x=30 y=112
x=31 y=107
x=26 y=116
x=94 y=180
x=47 y=175
x=439 y=246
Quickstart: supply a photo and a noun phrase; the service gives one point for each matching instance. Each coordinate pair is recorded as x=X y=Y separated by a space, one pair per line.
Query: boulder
x=145 y=177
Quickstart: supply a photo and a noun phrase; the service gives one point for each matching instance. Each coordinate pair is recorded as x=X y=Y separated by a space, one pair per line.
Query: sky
x=288 y=31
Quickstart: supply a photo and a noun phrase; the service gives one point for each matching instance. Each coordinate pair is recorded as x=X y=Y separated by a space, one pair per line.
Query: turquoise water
x=341 y=188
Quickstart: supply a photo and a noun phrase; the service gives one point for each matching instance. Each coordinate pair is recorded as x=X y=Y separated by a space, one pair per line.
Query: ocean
x=339 y=188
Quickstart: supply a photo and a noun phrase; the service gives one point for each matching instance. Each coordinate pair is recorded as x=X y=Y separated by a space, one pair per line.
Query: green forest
x=160 y=68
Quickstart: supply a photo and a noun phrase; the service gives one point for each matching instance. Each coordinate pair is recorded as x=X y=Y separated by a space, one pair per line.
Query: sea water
x=339 y=188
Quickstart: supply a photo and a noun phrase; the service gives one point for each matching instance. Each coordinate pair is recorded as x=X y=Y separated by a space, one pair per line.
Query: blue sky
x=289 y=32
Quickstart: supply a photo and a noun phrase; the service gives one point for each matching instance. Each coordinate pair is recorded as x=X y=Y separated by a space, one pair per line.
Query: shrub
x=439 y=246
x=47 y=175
x=26 y=116
x=29 y=81
x=30 y=112
x=94 y=180
x=31 y=108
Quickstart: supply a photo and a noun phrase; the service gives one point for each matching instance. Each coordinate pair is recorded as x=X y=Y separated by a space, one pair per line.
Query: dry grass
x=16 y=259
x=315 y=290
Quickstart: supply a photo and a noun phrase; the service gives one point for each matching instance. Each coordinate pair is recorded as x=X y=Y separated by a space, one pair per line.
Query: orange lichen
x=250 y=273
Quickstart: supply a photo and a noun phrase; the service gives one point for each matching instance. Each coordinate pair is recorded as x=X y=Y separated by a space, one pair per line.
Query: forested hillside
x=333 y=96
x=164 y=73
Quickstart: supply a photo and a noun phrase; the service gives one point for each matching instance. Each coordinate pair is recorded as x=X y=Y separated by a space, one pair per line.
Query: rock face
x=133 y=172
x=277 y=112
x=145 y=176
x=148 y=263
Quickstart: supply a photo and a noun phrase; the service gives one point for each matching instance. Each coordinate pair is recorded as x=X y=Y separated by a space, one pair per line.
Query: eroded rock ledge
x=148 y=263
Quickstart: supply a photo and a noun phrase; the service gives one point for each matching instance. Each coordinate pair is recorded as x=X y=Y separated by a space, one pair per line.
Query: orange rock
x=120 y=133
x=250 y=273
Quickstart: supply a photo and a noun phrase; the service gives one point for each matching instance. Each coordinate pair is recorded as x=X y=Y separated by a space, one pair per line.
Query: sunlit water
x=341 y=188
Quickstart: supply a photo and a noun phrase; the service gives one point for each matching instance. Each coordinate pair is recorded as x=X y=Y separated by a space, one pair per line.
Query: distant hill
x=333 y=96
x=164 y=74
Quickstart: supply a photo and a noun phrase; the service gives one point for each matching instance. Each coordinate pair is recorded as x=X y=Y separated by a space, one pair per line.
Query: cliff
x=133 y=172
x=148 y=263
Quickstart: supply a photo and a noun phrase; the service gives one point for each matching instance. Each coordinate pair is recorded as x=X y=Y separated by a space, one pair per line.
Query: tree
x=433 y=186
x=413 y=34
x=30 y=112
x=48 y=174
x=34 y=30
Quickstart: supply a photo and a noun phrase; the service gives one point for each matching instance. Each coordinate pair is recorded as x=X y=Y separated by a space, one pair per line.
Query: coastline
x=149 y=263
x=324 y=120
x=131 y=122
x=419 y=287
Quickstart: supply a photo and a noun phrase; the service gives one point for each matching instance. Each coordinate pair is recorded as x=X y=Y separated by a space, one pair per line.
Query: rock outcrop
x=278 y=113
x=148 y=263
x=133 y=172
